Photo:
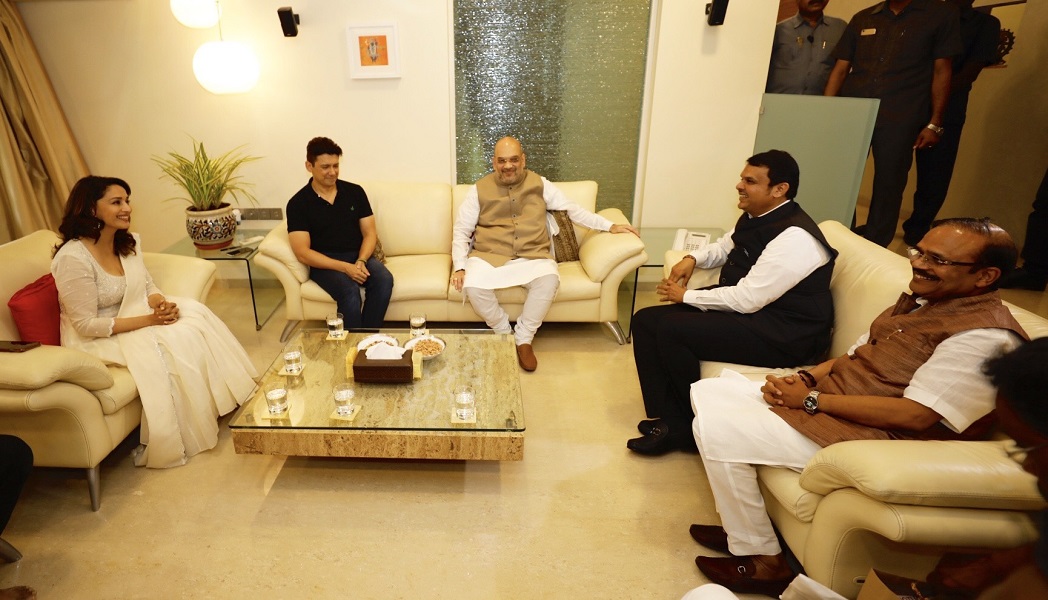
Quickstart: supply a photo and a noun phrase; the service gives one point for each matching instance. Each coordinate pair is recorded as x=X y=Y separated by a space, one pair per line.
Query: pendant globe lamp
x=198 y=14
x=226 y=67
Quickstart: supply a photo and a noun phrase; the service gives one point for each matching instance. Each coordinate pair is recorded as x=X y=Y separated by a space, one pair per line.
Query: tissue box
x=397 y=370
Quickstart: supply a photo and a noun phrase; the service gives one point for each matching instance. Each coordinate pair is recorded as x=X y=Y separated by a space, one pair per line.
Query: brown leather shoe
x=711 y=536
x=526 y=357
x=737 y=574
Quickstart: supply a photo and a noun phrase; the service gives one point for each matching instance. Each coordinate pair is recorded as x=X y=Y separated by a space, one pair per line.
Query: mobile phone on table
x=9 y=346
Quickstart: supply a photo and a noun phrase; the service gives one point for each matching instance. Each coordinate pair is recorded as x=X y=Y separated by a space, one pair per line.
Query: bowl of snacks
x=378 y=338
x=429 y=346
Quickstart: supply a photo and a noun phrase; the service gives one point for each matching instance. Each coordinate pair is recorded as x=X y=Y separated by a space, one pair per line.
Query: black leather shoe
x=656 y=443
x=736 y=573
x=648 y=425
x=711 y=536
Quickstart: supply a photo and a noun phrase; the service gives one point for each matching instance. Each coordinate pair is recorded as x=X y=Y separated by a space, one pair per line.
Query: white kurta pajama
x=539 y=275
x=187 y=373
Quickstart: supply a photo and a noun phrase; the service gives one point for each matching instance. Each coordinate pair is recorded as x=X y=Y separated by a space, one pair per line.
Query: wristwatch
x=937 y=129
x=811 y=402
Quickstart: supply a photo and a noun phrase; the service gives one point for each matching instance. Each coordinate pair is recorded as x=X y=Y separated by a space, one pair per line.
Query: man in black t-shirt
x=332 y=230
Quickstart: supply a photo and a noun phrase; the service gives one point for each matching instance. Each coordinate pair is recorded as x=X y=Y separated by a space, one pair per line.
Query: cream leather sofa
x=67 y=405
x=414 y=225
x=893 y=505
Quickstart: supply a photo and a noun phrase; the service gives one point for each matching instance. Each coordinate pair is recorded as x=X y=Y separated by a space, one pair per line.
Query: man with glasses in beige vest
x=501 y=240
x=917 y=373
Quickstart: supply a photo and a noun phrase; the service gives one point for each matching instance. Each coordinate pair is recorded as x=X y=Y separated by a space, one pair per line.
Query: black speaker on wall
x=715 y=12
x=288 y=21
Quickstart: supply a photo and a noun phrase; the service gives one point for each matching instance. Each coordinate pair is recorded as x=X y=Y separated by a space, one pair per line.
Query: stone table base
x=364 y=443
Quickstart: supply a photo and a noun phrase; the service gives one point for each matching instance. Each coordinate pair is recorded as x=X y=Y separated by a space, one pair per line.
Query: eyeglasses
x=914 y=253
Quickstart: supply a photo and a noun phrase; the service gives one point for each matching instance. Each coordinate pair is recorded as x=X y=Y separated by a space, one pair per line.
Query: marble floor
x=579 y=517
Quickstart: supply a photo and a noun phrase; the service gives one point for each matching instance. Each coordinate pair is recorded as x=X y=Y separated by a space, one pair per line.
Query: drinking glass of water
x=418 y=323
x=276 y=397
x=334 y=325
x=465 y=404
x=343 y=395
x=293 y=360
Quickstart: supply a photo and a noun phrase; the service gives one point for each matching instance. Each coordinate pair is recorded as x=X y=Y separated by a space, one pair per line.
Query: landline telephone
x=690 y=241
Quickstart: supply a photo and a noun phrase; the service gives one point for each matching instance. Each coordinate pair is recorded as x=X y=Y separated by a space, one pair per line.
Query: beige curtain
x=39 y=158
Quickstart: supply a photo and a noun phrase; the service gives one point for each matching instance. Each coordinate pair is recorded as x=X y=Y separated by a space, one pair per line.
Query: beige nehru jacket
x=512 y=221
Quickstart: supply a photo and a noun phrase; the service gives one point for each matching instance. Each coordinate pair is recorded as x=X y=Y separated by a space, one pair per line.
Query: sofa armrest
x=184 y=276
x=277 y=246
x=45 y=365
x=600 y=252
x=699 y=279
x=926 y=473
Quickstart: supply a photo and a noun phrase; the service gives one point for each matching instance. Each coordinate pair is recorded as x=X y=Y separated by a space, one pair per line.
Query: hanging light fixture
x=198 y=14
x=221 y=67
x=226 y=67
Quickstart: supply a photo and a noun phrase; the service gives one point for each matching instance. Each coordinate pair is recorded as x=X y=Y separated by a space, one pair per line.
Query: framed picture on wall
x=373 y=51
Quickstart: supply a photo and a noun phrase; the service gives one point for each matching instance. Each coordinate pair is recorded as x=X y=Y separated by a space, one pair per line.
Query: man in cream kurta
x=501 y=240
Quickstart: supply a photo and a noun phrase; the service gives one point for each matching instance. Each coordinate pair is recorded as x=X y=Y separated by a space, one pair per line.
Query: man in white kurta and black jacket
x=771 y=307
x=501 y=240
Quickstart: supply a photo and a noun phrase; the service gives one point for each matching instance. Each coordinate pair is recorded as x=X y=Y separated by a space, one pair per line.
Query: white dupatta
x=145 y=359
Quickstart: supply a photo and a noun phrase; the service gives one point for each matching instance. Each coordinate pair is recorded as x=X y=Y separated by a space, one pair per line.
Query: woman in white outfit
x=188 y=367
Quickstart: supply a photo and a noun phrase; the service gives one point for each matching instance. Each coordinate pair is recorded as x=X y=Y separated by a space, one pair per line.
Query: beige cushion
x=784 y=485
x=929 y=473
x=47 y=364
x=277 y=246
x=420 y=277
x=575 y=283
x=865 y=283
x=602 y=251
x=412 y=218
x=118 y=395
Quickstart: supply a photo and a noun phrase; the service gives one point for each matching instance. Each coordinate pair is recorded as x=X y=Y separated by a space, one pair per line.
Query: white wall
x=708 y=83
x=1004 y=147
x=123 y=72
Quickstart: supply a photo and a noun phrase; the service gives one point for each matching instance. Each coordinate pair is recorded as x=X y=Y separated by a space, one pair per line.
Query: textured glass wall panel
x=566 y=77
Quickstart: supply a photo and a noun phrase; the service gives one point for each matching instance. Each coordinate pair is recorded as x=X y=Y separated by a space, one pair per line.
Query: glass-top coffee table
x=406 y=420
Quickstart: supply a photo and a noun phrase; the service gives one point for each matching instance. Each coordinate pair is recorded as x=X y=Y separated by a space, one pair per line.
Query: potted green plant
x=207 y=180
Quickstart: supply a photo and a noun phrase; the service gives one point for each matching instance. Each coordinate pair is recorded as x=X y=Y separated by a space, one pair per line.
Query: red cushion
x=34 y=309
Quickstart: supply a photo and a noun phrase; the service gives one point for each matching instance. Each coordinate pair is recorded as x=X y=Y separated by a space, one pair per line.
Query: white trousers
x=541 y=292
x=735 y=431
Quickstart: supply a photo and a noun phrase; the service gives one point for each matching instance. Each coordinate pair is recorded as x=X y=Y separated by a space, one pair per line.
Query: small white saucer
x=354 y=410
x=455 y=419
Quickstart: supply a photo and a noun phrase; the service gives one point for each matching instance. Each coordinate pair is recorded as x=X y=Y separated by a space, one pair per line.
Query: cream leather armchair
x=72 y=409
x=893 y=505
x=414 y=224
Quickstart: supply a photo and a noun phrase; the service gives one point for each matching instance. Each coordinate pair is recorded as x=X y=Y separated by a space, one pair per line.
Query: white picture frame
x=373 y=51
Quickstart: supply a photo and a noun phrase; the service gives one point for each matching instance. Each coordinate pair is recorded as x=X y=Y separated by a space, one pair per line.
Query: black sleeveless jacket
x=800 y=320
